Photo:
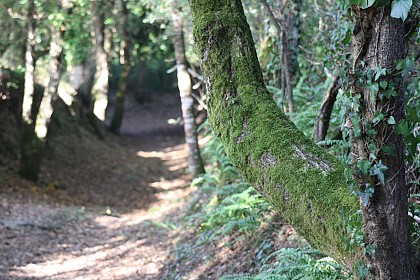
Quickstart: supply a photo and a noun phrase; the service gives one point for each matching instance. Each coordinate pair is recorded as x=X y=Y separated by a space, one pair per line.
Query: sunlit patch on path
x=75 y=242
x=110 y=212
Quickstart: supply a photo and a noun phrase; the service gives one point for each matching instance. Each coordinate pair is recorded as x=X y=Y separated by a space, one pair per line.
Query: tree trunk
x=30 y=152
x=378 y=42
x=287 y=74
x=51 y=94
x=195 y=163
x=100 y=88
x=124 y=71
x=27 y=115
x=322 y=121
x=281 y=26
x=302 y=181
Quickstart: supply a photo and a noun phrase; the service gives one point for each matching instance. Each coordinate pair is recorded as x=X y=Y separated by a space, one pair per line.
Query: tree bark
x=195 y=163
x=322 y=121
x=55 y=67
x=302 y=181
x=124 y=71
x=100 y=88
x=27 y=115
x=30 y=146
x=378 y=42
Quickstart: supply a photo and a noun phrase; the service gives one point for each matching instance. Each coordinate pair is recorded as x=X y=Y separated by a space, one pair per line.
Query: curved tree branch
x=322 y=121
x=304 y=183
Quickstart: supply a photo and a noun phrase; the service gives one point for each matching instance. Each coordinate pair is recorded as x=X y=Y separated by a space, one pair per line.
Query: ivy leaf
x=378 y=170
x=402 y=128
x=380 y=72
x=366 y=194
x=383 y=84
x=391 y=120
x=400 y=8
x=390 y=93
x=377 y=117
x=413 y=115
x=363 y=166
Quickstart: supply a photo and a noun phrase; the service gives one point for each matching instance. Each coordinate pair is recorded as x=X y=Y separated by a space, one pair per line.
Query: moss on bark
x=304 y=183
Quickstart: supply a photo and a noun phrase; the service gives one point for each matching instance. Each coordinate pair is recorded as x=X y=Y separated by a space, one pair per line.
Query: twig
x=15 y=15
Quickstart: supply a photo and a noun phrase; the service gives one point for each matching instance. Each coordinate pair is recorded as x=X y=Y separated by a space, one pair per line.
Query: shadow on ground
x=102 y=209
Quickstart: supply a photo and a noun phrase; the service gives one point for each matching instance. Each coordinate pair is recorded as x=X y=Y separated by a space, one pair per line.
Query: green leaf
x=390 y=93
x=412 y=115
x=402 y=128
x=377 y=117
x=366 y=194
x=370 y=132
x=400 y=8
x=391 y=120
x=383 y=84
x=363 y=166
x=379 y=72
x=378 y=170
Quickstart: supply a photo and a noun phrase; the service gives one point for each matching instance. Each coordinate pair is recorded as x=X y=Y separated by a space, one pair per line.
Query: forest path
x=104 y=210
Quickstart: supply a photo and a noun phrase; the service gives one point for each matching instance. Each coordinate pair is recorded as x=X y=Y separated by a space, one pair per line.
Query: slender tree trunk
x=29 y=163
x=195 y=163
x=83 y=102
x=302 y=181
x=322 y=121
x=378 y=42
x=51 y=93
x=294 y=25
x=287 y=74
x=27 y=115
x=100 y=88
x=124 y=71
x=140 y=80
x=284 y=52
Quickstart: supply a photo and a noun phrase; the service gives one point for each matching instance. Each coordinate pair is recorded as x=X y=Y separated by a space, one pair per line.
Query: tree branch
x=302 y=181
x=277 y=24
x=322 y=121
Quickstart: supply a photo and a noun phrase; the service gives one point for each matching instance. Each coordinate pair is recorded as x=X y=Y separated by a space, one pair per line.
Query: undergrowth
x=229 y=203
x=288 y=264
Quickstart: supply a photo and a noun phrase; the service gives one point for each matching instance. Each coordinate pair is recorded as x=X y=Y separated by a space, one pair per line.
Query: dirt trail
x=103 y=210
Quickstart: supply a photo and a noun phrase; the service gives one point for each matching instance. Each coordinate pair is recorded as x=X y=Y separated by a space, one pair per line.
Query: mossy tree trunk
x=124 y=71
x=303 y=182
x=195 y=163
x=30 y=151
x=378 y=42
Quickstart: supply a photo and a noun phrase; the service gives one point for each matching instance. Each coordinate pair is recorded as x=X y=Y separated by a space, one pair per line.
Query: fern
x=230 y=203
x=331 y=142
x=290 y=264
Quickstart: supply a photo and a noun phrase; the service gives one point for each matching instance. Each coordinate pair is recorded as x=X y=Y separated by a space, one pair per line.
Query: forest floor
x=111 y=209
x=103 y=209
